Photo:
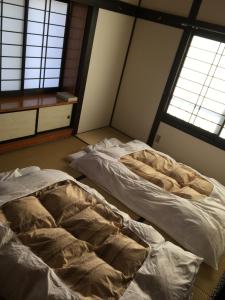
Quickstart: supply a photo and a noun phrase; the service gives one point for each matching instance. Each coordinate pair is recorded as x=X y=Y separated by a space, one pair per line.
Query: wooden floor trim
x=36 y=140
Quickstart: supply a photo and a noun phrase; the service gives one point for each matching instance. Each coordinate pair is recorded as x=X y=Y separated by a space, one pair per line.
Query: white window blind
x=33 y=61
x=45 y=35
x=199 y=95
x=12 y=26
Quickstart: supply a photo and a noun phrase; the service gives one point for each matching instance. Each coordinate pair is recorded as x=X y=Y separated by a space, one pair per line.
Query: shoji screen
x=11 y=37
x=44 y=45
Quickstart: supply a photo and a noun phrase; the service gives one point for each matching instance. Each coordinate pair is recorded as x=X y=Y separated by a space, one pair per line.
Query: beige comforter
x=78 y=237
x=173 y=177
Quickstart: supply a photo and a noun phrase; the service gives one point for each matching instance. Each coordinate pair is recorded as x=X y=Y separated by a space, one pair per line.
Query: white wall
x=187 y=149
x=149 y=62
x=108 y=54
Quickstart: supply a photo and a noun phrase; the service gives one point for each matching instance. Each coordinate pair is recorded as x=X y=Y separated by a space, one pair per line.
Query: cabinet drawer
x=17 y=124
x=54 y=117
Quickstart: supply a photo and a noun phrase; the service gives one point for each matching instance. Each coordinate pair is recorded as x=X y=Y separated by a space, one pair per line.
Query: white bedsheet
x=199 y=226
x=168 y=272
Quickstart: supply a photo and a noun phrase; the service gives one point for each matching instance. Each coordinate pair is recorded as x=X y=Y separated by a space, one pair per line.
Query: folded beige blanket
x=81 y=239
x=167 y=174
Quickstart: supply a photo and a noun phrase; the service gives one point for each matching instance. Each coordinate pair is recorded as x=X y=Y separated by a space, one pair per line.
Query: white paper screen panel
x=17 y=124
x=44 y=50
x=12 y=20
x=43 y=44
x=54 y=117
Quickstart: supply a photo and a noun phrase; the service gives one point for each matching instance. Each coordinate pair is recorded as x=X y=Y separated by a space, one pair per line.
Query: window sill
x=27 y=102
x=194 y=131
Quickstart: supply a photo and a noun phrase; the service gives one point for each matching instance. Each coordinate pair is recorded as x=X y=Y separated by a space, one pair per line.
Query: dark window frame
x=23 y=57
x=186 y=127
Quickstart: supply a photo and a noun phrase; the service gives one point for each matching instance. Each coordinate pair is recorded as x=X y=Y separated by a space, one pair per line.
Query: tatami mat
x=207 y=279
x=47 y=156
x=52 y=155
x=95 y=136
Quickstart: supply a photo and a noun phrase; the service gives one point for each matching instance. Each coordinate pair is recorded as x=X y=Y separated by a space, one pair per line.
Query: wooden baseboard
x=36 y=140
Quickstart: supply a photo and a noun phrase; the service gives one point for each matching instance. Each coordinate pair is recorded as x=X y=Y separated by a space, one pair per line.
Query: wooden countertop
x=25 y=102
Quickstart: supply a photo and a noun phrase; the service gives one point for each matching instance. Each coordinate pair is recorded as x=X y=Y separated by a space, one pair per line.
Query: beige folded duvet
x=79 y=238
x=61 y=240
x=185 y=204
x=173 y=177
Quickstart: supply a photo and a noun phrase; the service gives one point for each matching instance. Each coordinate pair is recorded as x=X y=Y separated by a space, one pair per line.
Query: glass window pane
x=40 y=4
x=53 y=63
x=193 y=75
x=10 y=85
x=178 y=113
x=204 y=124
x=211 y=116
x=33 y=27
x=36 y=15
x=189 y=85
x=9 y=62
x=33 y=62
x=59 y=7
x=185 y=105
x=32 y=73
x=12 y=38
x=186 y=95
x=55 y=42
x=11 y=74
x=218 y=84
x=202 y=55
x=215 y=95
x=47 y=55
x=8 y=50
x=13 y=11
x=222 y=62
x=222 y=134
x=214 y=106
x=51 y=73
x=220 y=73
x=35 y=40
x=199 y=95
x=51 y=83
x=57 y=19
x=197 y=65
x=205 y=43
x=56 y=31
x=31 y=83
x=56 y=53
x=18 y=2
x=12 y=25
x=33 y=51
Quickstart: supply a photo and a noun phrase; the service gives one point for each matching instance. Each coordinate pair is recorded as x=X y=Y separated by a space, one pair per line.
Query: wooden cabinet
x=54 y=117
x=17 y=124
x=23 y=116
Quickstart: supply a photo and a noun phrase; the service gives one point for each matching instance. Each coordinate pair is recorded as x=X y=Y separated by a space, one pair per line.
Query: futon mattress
x=185 y=204
x=64 y=241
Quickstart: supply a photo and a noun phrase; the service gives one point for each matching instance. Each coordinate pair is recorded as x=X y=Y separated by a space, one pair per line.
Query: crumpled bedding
x=196 y=221
x=67 y=242
x=171 y=176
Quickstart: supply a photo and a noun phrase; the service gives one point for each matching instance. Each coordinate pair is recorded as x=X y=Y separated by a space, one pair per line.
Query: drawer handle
x=68 y=117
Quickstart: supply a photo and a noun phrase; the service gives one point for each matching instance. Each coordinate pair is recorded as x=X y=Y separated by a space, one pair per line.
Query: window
x=199 y=95
x=31 y=47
